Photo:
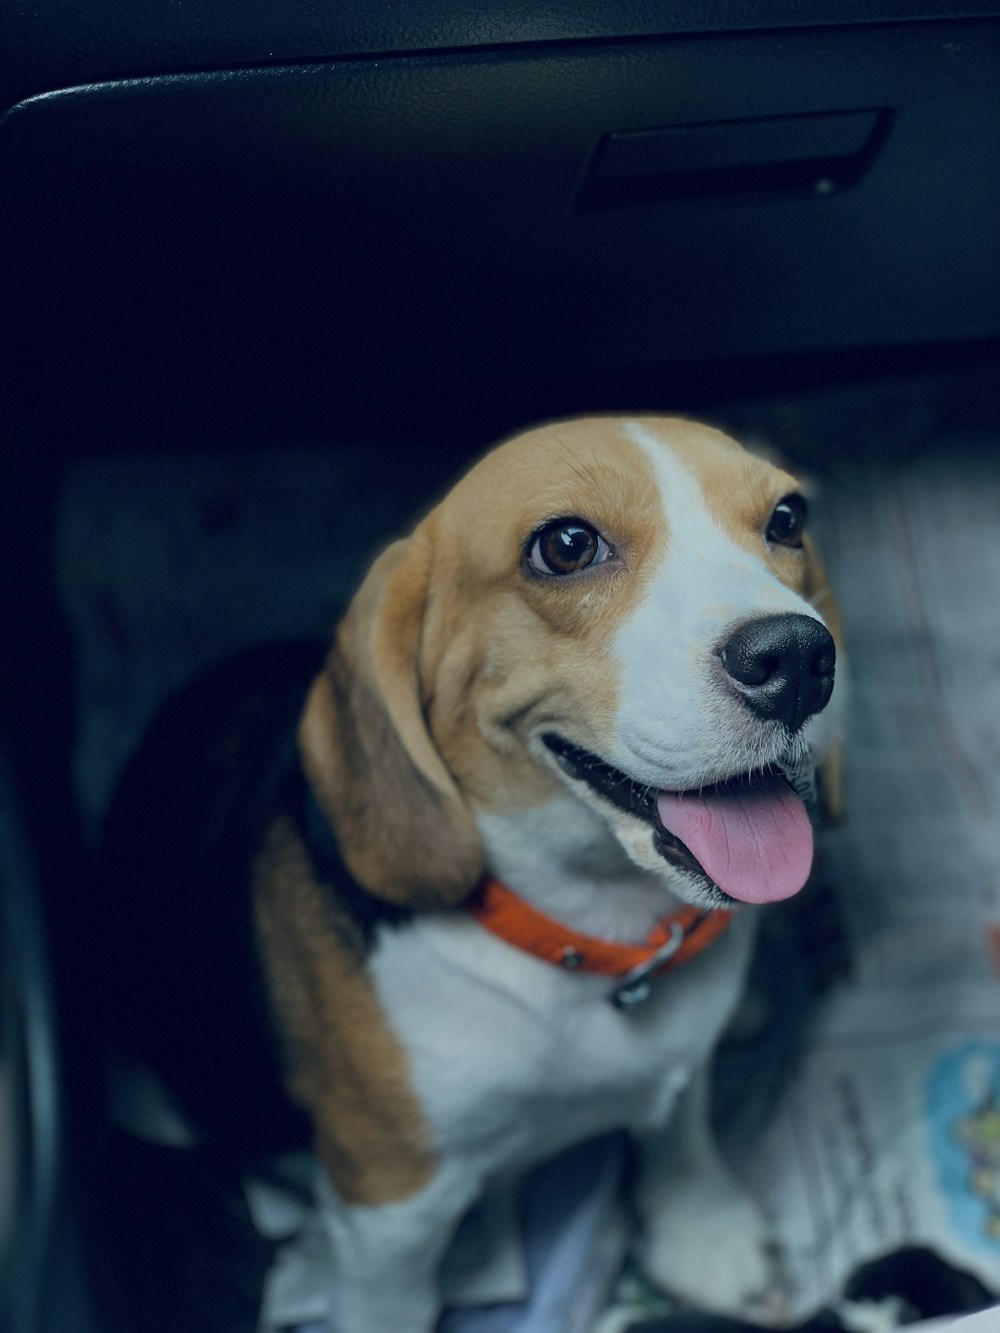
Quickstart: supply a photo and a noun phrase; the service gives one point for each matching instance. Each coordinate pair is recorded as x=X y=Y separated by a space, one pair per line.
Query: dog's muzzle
x=748 y=838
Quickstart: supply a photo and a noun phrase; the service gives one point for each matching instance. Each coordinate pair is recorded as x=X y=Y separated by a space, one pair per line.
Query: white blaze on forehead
x=677 y=725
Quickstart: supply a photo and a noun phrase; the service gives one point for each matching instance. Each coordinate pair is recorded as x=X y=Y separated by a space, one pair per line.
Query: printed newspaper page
x=890 y=1133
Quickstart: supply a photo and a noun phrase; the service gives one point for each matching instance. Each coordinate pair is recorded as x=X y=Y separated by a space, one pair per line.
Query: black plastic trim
x=50 y=43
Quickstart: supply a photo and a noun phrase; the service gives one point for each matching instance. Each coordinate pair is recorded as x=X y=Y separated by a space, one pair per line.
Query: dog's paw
x=709 y=1246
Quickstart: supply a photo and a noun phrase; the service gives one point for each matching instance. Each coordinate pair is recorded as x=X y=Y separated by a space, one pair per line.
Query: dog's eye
x=787 y=524
x=565 y=546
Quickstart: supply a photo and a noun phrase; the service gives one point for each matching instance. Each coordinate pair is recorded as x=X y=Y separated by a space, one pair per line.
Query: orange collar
x=674 y=940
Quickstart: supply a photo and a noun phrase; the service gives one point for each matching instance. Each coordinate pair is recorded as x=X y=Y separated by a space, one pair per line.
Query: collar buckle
x=637 y=985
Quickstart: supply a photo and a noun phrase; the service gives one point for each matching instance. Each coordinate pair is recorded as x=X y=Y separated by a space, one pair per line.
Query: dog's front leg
x=385 y=1256
x=701 y=1238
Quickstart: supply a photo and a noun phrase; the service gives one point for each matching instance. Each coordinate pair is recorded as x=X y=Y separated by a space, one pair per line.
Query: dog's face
x=625 y=608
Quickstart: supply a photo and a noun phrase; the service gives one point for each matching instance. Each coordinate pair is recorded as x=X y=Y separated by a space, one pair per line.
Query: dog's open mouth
x=749 y=837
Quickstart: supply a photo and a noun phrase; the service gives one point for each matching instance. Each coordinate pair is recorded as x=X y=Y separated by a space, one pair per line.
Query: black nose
x=782 y=666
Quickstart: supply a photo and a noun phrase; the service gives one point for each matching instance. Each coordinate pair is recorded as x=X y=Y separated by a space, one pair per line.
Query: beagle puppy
x=563 y=745
x=503 y=892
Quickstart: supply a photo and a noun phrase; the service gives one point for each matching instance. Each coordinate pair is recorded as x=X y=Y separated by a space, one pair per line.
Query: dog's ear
x=403 y=829
x=819 y=594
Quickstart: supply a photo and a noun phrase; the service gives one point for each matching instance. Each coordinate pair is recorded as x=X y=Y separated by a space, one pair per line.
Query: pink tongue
x=755 y=842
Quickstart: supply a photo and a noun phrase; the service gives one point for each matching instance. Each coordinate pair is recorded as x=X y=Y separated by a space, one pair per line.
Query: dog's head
x=627 y=608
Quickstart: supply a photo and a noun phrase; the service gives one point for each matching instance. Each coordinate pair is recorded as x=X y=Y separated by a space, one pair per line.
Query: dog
x=560 y=751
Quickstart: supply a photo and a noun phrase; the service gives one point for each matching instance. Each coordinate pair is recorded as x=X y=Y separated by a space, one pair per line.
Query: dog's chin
x=631 y=808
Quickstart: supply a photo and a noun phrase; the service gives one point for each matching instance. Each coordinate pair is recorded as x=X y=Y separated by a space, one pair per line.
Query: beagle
x=582 y=702
x=561 y=749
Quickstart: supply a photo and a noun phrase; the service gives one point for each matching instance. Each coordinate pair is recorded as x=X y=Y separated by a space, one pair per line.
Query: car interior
x=272 y=274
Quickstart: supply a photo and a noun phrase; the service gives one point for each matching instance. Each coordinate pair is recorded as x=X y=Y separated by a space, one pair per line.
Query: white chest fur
x=512 y=1059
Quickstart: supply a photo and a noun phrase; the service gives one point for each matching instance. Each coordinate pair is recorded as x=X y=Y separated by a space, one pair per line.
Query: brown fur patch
x=507 y=652
x=403 y=829
x=740 y=491
x=452 y=653
x=344 y=1065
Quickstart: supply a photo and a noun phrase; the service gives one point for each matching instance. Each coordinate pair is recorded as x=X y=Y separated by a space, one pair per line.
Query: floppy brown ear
x=818 y=592
x=404 y=831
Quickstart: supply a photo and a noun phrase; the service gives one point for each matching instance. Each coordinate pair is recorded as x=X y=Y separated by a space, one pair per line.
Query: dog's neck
x=564 y=860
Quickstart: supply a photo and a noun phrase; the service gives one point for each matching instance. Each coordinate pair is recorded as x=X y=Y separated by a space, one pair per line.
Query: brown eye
x=565 y=546
x=787 y=524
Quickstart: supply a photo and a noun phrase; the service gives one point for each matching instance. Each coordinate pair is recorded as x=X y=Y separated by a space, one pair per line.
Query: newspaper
x=889 y=1135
